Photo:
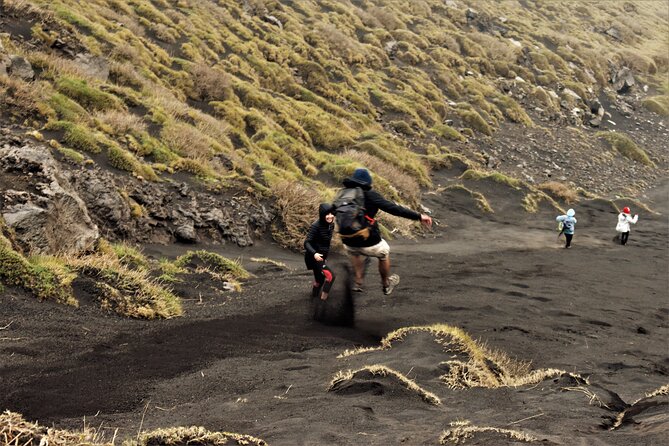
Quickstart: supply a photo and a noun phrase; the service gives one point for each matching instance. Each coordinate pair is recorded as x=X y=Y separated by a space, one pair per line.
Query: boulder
x=614 y=33
x=622 y=80
x=94 y=66
x=46 y=214
x=272 y=21
x=20 y=67
x=186 y=232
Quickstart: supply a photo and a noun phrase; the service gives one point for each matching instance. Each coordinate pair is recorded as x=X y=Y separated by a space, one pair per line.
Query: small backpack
x=350 y=213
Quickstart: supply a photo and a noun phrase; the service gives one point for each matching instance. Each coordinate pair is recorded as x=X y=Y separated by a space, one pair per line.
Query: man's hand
x=318 y=257
x=426 y=220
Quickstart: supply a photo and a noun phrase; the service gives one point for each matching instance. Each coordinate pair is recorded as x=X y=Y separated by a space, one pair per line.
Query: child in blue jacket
x=569 y=223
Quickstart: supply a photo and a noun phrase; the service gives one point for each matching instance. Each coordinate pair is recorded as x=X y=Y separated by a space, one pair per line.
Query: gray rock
x=20 y=67
x=272 y=20
x=93 y=65
x=623 y=80
x=613 y=32
x=596 y=121
x=391 y=48
x=49 y=217
x=186 y=232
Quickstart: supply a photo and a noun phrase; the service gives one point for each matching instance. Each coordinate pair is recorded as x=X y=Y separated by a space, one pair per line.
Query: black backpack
x=350 y=213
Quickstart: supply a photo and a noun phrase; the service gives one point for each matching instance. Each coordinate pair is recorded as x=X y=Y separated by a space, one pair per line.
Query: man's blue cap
x=362 y=176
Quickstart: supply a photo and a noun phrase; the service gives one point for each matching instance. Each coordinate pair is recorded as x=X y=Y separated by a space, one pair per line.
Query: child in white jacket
x=623 y=226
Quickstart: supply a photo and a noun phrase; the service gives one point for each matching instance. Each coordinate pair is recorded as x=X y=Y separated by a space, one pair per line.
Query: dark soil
x=256 y=362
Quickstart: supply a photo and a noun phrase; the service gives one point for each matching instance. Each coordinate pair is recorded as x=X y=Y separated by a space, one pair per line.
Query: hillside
x=223 y=122
x=158 y=155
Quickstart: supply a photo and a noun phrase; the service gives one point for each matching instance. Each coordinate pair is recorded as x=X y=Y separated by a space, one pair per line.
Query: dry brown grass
x=381 y=370
x=194 y=435
x=298 y=207
x=479 y=366
x=122 y=122
x=560 y=191
x=209 y=83
x=461 y=431
x=16 y=431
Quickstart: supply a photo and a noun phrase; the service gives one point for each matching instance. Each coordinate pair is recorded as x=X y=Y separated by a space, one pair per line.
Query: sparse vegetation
x=381 y=370
x=627 y=148
x=474 y=365
x=15 y=430
x=560 y=191
x=461 y=431
x=45 y=278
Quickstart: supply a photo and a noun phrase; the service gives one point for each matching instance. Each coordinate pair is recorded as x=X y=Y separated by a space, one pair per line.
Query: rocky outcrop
x=130 y=209
x=40 y=205
x=622 y=80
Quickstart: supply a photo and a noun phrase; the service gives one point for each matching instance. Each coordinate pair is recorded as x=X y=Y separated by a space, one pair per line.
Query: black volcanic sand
x=257 y=363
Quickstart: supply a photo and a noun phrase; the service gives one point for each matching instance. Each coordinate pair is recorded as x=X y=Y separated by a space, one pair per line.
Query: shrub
x=657 y=104
x=560 y=190
x=126 y=291
x=473 y=174
x=402 y=127
x=65 y=108
x=297 y=206
x=209 y=83
x=447 y=132
x=213 y=262
x=38 y=275
x=473 y=120
x=87 y=96
x=76 y=136
x=122 y=122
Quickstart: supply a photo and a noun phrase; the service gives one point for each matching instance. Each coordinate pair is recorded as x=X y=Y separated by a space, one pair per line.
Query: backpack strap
x=364 y=233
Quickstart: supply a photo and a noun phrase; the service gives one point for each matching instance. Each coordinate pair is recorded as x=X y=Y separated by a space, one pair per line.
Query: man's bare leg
x=358 y=269
x=384 y=270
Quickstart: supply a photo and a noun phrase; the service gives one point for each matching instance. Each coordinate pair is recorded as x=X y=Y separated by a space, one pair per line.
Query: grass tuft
x=626 y=147
x=381 y=370
x=461 y=431
x=196 y=436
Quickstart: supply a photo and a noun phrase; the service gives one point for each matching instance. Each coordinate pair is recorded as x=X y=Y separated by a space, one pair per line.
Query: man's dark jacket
x=373 y=203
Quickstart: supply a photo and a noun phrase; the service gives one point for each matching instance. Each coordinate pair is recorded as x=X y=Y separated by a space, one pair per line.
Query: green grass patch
x=473 y=174
x=626 y=147
x=473 y=120
x=39 y=275
x=86 y=95
x=76 y=136
x=447 y=132
x=657 y=104
x=213 y=262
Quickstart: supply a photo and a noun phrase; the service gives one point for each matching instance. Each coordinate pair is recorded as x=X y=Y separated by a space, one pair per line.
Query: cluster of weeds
x=45 y=277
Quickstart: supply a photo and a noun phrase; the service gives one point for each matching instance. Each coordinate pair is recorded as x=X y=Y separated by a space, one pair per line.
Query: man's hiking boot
x=393 y=281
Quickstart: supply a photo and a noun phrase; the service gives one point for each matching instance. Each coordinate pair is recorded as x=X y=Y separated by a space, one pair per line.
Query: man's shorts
x=381 y=250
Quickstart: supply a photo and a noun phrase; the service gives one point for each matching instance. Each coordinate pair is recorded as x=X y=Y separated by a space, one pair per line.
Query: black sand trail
x=257 y=363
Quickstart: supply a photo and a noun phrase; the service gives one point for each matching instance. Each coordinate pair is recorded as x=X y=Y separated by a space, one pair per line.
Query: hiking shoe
x=393 y=281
